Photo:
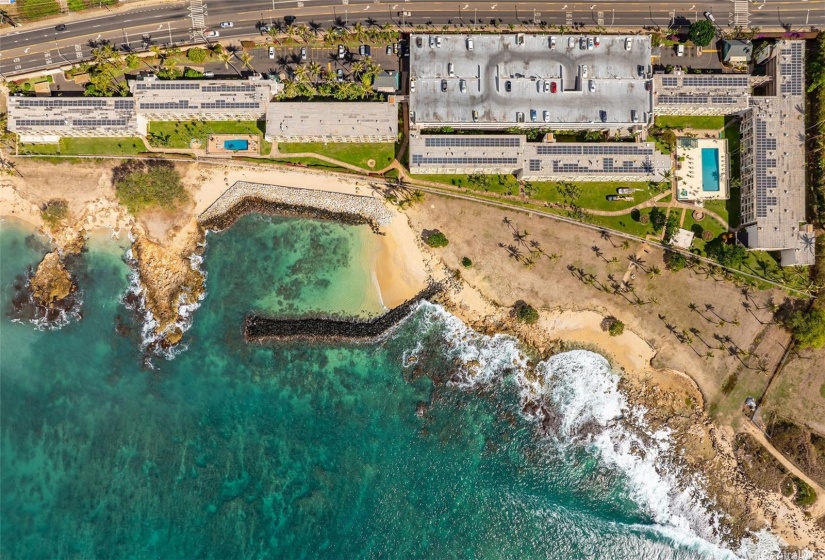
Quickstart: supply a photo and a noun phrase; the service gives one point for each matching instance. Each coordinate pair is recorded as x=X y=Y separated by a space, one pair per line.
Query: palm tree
x=226 y=58
x=314 y=70
x=300 y=74
x=708 y=355
x=654 y=271
x=246 y=60
x=625 y=244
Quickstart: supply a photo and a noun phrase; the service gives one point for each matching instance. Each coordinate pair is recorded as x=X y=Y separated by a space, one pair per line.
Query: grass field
x=304 y=161
x=353 y=153
x=77 y=5
x=593 y=195
x=704 y=123
x=87 y=146
x=176 y=134
x=34 y=9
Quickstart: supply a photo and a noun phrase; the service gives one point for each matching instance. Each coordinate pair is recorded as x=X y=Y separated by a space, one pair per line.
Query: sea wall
x=244 y=198
x=335 y=329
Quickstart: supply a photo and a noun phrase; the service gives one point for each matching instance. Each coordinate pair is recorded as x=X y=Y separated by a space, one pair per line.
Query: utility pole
x=169 y=26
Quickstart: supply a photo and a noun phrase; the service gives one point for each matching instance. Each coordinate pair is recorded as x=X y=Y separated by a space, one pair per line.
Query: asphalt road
x=39 y=46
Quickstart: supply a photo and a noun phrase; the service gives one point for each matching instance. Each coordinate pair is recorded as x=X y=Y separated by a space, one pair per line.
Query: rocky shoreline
x=333 y=329
x=244 y=198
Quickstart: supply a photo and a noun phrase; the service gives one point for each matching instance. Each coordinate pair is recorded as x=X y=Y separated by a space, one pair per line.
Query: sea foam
x=582 y=389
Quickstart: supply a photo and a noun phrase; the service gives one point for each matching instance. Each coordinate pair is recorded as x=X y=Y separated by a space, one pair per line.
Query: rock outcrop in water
x=51 y=282
x=168 y=284
x=331 y=328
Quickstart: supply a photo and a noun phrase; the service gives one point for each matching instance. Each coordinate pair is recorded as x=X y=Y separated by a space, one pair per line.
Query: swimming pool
x=243 y=145
x=710 y=169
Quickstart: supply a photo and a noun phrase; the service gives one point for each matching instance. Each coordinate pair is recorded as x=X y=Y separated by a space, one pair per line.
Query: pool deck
x=689 y=175
x=214 y=146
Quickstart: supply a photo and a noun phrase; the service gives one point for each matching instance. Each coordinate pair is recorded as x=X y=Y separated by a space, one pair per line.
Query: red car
x=552 y=87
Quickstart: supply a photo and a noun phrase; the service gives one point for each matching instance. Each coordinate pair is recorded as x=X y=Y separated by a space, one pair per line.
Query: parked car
x=552 y=43
x=208 y=74
x=389 y=49
x=709 y=16
x=469 y=43
x=519 y=116
x=699 y=50
x=61 y=27
x=533 y=115
x=547 y=116
x=462 y=86
x=596 y=41
x=624 y=190
x=419 y=42
x=648 y=86
x=342 y=52
x=546 y=86
x=432 y=41
x=227 y=24
x=680 y=50
x=571 y=43
x=641 y=69
x=340 y=74
x=584 y=70
x=412 y=86
x=364 y=50
x=451 y=69
x=592 y=86
x=475 y=116
x=583 y=43
x=590 y=43
x=438 y=42
x=508 y=86
x=443 y=85
x=612 y=197
x=271 y=53
x=628 y=44
x=552 y=87
x=634 y=115
x=303 y=54
x=211 y=34
x=603 y=116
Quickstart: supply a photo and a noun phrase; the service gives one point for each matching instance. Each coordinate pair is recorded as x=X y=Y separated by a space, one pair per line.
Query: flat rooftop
x=332 y=121
x=700 y=94
x=202 y=98
x=551 y=161
x=72 y=116
x=522 y=62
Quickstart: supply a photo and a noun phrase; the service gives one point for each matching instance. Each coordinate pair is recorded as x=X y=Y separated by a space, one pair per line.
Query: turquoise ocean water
x=414 y=447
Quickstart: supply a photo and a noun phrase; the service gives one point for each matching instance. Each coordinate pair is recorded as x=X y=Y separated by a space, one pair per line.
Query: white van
x=469 y=43
x=680 y=50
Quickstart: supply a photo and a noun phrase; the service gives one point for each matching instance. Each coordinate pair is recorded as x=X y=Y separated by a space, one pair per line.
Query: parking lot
x=708 y=60
x=286 y=59
x=503 y=81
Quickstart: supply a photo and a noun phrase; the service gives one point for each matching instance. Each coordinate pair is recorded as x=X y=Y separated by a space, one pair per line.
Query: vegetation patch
x=54 y=212
x=436 y=239
x=35 y=9
x=358 y=154
x=179 y=134
x=698 y=123
x=140 y=185
x=467 y=263
x=808 y=327
x=525 y=313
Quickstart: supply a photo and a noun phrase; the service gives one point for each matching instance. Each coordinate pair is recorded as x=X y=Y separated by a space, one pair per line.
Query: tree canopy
x=808 y=328
x=702 y=32
x=140 y=185
x=437 y=239
x=526 y=313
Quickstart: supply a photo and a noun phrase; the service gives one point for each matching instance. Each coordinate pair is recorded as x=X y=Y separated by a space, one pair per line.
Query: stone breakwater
x=244 y=198
x=335 y=329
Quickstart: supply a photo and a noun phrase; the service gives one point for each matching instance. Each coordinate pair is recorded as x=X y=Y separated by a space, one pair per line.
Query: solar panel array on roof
x=99 y=122
x=227 y=88
x=59 y=102
x=124 y=103
x=534 y=165
x=167 y=85
x=792 y=69
x=763 y=145
x=40 y=122
x=670 y=81
x=181 y=104
x=221 y=104
x=697 y=100
x=715 y=81
x=608 y=166
x=594 y=150
x=472 y=142
x=418 y=159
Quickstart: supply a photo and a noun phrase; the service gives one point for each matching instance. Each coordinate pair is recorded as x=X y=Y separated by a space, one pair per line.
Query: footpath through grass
x=358 y=154
x=87 y=146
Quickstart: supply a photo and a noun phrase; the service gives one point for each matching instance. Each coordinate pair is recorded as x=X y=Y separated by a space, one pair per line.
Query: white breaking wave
x=580 y=386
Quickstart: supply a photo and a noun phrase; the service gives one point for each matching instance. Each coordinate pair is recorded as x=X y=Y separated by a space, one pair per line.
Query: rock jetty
x=51 y=282
x=244 y=198
x=334 y=329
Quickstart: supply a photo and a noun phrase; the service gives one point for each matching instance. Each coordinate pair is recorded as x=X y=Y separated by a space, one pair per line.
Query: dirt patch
x=804 y=448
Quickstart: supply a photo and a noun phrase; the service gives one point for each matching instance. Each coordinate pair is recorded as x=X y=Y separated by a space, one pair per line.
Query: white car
x=271 y=52
x=412 y=86
x=451 y=69
x=342 y=52
x=628 y=44
x=571 y=42
x=438 y=42
x=592 y=86
x=547 y=116
x=227 y=24
x=469 y=43
x=552 y=43
x=584 y=70
x=546 y=86
x=211 y=34
x=462 y=86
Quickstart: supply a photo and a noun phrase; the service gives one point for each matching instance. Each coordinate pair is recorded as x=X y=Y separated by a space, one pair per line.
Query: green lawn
x=177 y=134
x=594 y=194
x=305 y=161
x=353 y=153
x=34 y=9
x=87 y=146
x=624 y=223
x=77 y=5
x=698 y=228
x=705 y=123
